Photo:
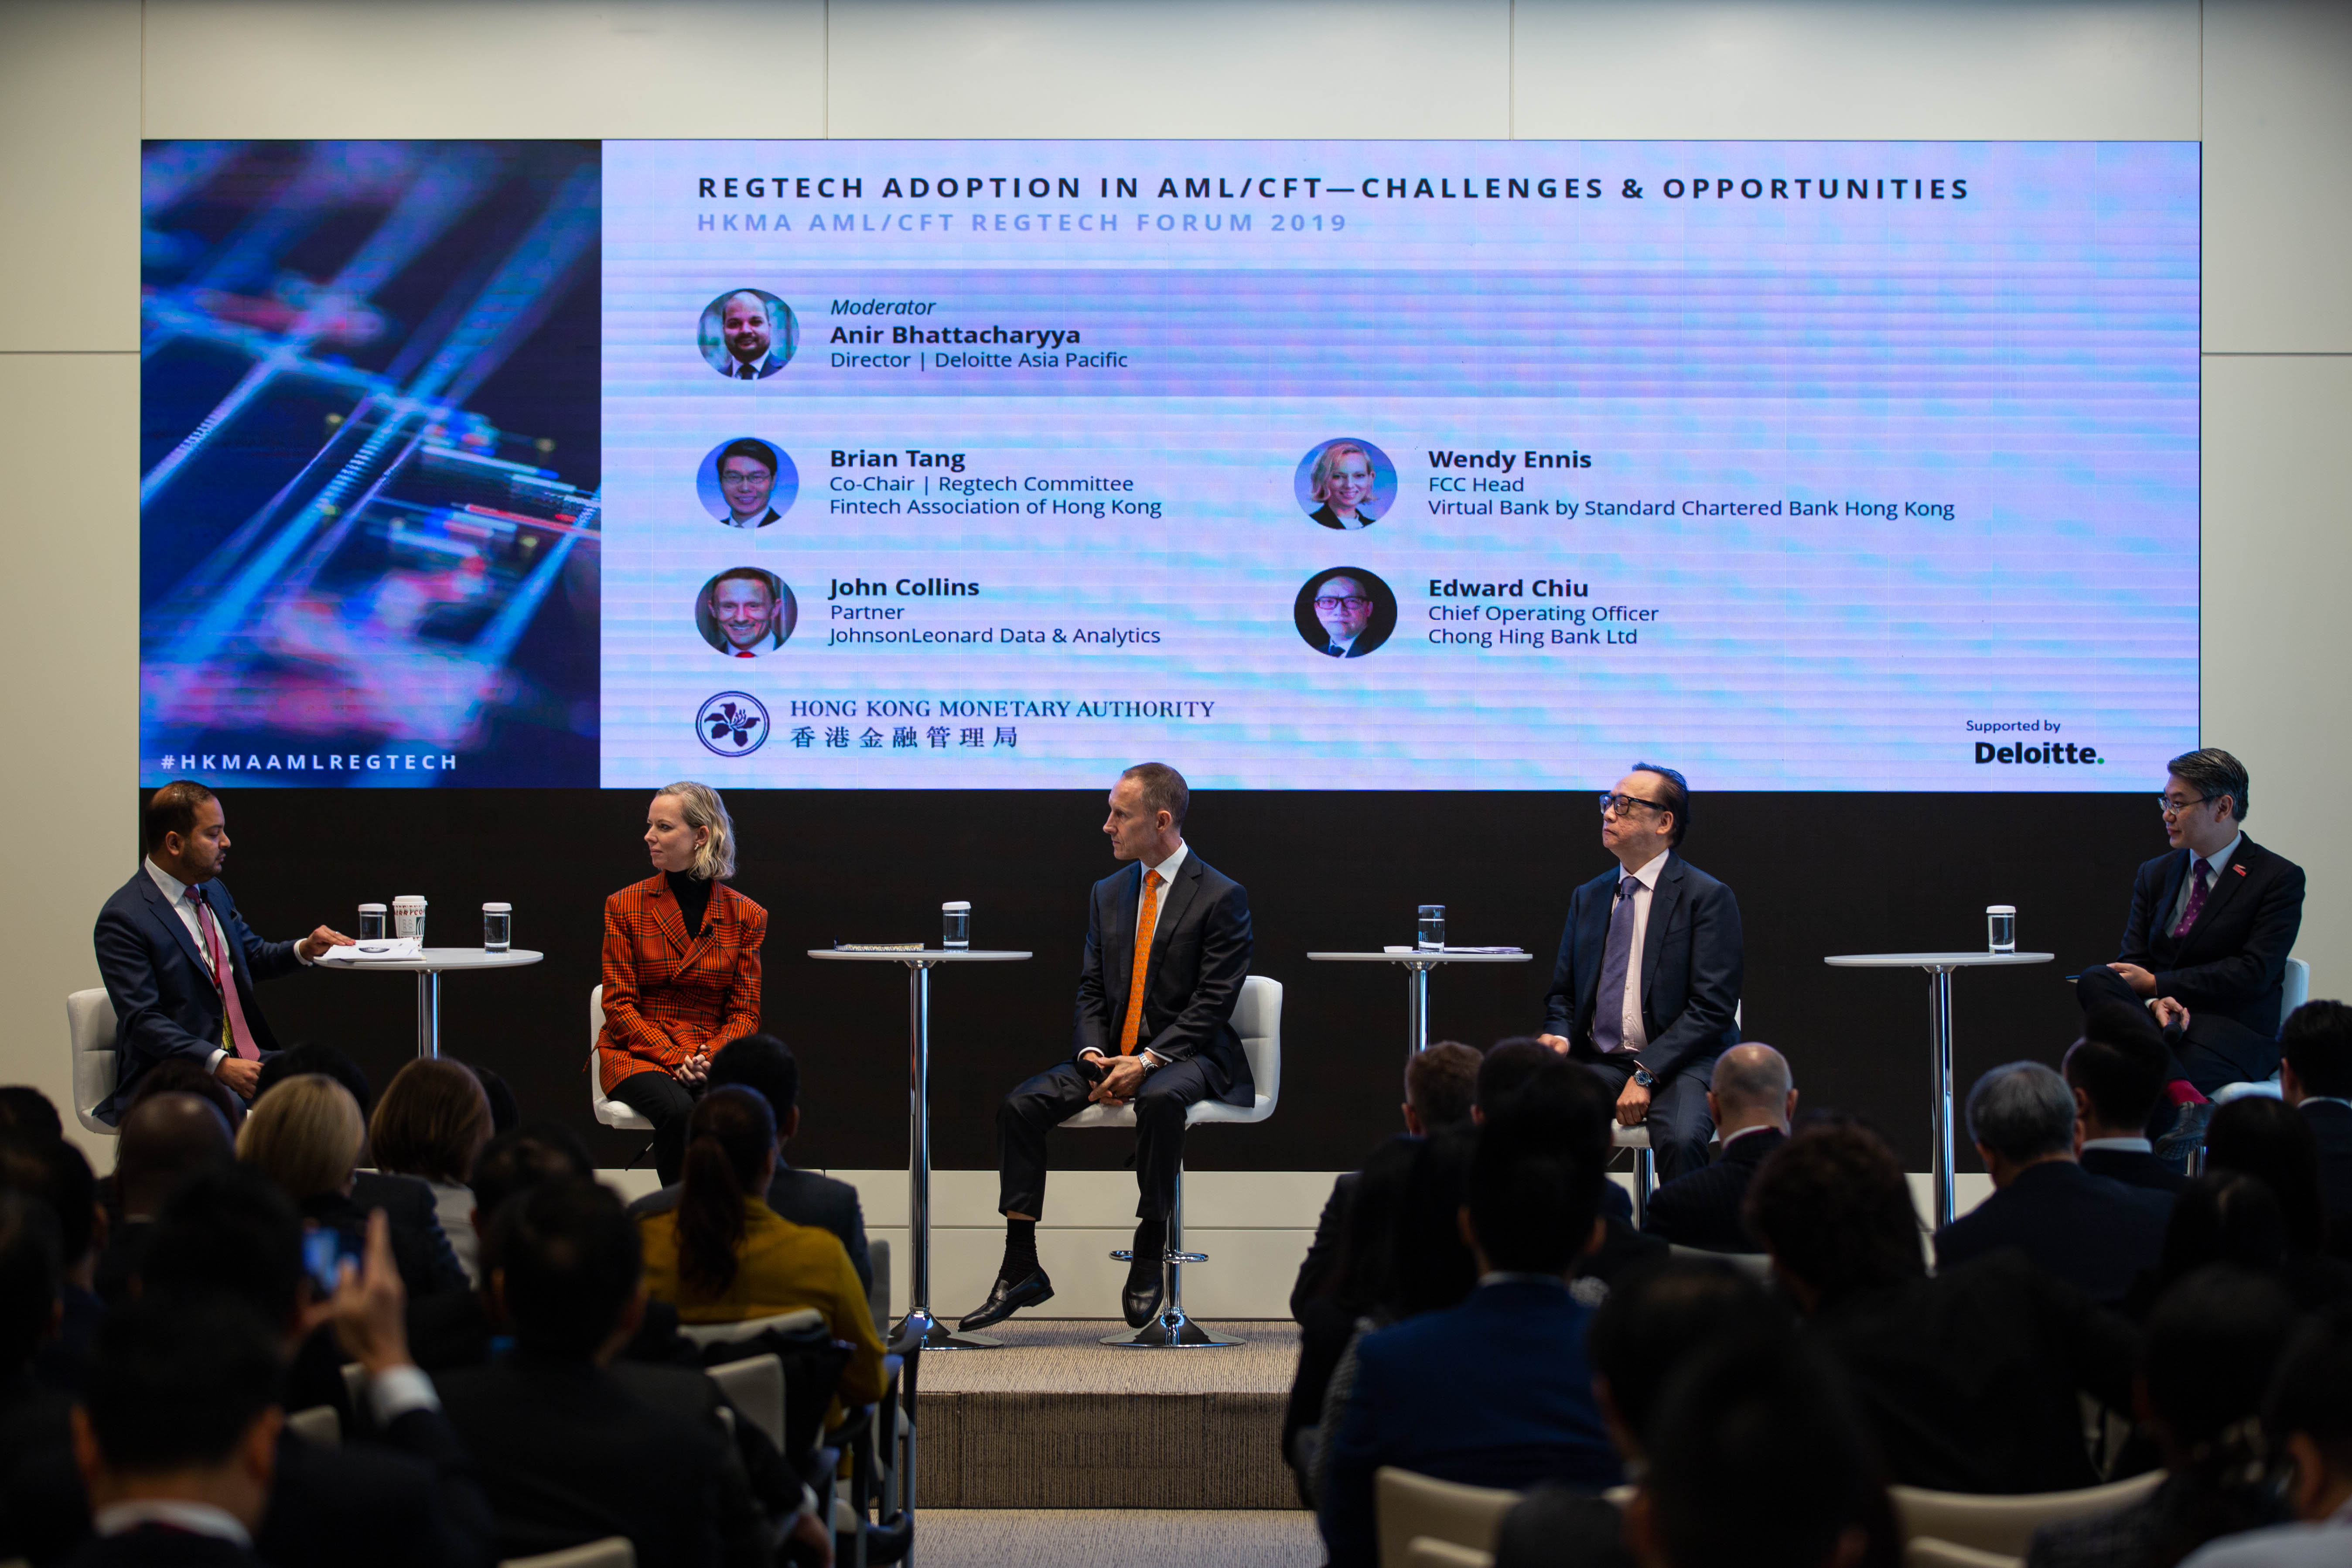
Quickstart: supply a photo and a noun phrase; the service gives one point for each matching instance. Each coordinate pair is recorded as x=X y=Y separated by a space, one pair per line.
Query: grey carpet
x=1134 y=1537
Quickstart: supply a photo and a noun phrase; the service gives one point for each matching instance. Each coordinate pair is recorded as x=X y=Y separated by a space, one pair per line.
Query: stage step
x=1056 y=1420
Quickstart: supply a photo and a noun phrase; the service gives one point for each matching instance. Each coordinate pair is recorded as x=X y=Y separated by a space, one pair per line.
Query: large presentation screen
x=1326 y=465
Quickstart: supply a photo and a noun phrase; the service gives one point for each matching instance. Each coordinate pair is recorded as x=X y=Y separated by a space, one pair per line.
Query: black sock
x=1020 y=1248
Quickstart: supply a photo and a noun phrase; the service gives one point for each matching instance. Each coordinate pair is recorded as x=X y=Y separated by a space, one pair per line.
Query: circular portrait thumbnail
x=1345 y=612
x=1346 y=483
x=748 y=334
x=745 y=612
x=746 y=482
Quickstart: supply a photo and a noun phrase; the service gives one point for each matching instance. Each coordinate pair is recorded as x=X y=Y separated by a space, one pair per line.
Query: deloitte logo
x=732 y=725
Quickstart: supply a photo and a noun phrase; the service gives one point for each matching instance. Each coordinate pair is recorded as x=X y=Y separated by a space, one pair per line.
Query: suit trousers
x=669 y=1105
x=1060 y=1092
x=1679 y=1127
x=2212 y=1051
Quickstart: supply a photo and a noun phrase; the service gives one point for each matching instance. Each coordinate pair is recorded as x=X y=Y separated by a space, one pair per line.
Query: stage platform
x=1056 y=1420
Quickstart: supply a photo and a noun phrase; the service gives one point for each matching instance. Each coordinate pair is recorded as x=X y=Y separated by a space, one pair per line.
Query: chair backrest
x=1409 y=1506
x=1257 y=1019
x=1428 y=1552
x=596 y=1019
x=2006 y=1524
x=806 y=1320
x=756 y=1387
x=91 y=1025
x=1926 y=1552
x=319 y=1424
x=613 y=1551
x=2294 y=989
x=1755 y=1265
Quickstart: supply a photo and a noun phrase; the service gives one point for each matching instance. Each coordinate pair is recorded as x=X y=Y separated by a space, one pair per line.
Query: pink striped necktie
x=2195 y=905
x=235 y=1035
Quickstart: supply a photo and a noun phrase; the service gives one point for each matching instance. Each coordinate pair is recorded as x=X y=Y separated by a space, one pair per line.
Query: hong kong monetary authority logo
x=732 y=725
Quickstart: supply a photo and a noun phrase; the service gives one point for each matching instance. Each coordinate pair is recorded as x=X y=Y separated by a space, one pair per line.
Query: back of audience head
x=505 y=1114
x=2222 y=1216
x=2117 y=1070
x=327 y=1060
x=2309 y=1414
x=28 y=1113
x=306 y=1135
x=766 y=1066
x=1833 y=1208
x=230 y=1232
x=53 y=1172
x=1533 y=1197
x=515 y=1162
x=2020 y=1113
x=2269 y=1141
x=165 y=1139
x=2211 y=1345
x=1435 y=1269
x=1752 y=1087
x=182 y=1402
x=731 y=1148
x=433 y=1121
x=1441 y=1084
x=29 y=1278
x=2315 y=1048
x=1557 y=1102
x=183 y=1075
x=568 y=1270
x=1507 y=1066
x=1656 y=1317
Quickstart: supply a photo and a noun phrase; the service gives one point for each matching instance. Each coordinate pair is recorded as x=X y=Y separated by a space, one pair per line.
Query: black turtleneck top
x=693 y=895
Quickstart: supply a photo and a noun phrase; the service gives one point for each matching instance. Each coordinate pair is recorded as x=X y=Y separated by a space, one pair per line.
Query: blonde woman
x=681 y=967
x=1343 y=481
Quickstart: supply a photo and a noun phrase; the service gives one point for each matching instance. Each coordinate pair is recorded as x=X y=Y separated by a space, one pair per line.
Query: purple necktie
x=2195 y=905
x=1609 y=1003
x=237 y=1038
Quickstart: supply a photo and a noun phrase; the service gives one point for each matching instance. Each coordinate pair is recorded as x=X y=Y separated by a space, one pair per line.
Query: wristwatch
x=1642 y=1075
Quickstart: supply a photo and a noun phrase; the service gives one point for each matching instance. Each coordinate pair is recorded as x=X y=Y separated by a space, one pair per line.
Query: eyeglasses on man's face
x=1350 y=603
x=2173 y=806
x=1621 y=804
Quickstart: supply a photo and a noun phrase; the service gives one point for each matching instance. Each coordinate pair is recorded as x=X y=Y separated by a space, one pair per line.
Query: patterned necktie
x=744 y=373
x=2195 y=905
x=1146 y=919
x=1609 y=1001
x=236 y=1039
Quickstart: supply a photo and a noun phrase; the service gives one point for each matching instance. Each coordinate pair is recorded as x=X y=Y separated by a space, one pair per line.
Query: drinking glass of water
x=498 y=927
x=955 y=924
x=2000 y=928
x=1432 y=927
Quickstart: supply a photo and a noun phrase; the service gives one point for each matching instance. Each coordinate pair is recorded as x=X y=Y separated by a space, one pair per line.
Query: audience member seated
x=407 y=1200
x=2273 y=1142
x=1750 y=1102
x=34 y=1522
x=431 y=1124
x=2309 y=1422
x=1496 y=1392
x=2316 y=1076
x=1969 y=1379
x=2116 y=1072
x=765 y=1064
x=26 y=1112
x=506 y=1116
x=175 y=1074
x=178 y=1435
x=2212 y=1343
x=723 y=1256
x=2090 y=1231
x=1504 y=1076
x=305 y=1133
x=1660 y=1315
x=1440 y=1084
x=164 y=1138
x=573 y=1447
x=2220 y=1218
x=54 y=1173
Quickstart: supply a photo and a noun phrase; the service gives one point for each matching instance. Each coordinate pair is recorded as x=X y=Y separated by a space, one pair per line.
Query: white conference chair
x=1257 y=1019
x=613 y=1551
x=319 y=1425
x=1409 y=1506
x=89 y=1023
x=755 y=1386
x=611 y=1112
x=2006 y=1524
x=2294 y=990
x=703 y=1335
x=1428 y=1552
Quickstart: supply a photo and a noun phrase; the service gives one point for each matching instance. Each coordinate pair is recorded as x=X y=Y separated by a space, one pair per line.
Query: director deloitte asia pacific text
x=681 y=967
x=1342 y=481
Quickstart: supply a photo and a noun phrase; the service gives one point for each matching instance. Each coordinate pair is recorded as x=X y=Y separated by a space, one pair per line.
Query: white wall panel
x=70 y=175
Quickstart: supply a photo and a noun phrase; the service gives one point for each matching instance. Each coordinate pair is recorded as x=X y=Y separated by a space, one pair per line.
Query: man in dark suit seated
x=1969 y=1379
x=1439 y=1084
x=2206 y=945
x=1750 y=1103
x=1168 y=946
x=2315 y=1077
x=2095 y=1233
x=765 y=1064
x=164 y=939
x=1495 y=1391
x=1646 y=986
x=2116 y=1072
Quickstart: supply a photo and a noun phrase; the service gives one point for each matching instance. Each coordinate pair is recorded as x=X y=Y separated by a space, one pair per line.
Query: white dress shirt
x=2119 y=1145
x=178 y=1513
x=1628 y=1005
x=2219 y=862
x=1167 y=869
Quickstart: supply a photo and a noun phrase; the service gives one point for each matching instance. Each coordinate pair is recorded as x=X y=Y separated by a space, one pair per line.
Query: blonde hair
x=698 y=805
x=305 y=1135
x=1329 y=459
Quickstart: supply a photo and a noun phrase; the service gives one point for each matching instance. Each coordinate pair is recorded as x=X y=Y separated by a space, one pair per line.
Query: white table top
x=440 y=958
x=1934 y=960
x=1417 y=956
x=925 y=955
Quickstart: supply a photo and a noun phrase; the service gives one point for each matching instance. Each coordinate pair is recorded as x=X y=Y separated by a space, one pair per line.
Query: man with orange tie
x=1168 y=946
x=166 y=938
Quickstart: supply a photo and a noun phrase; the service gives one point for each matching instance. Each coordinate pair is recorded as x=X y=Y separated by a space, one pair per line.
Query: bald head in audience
x=1751 y=1088
x=165 y=1139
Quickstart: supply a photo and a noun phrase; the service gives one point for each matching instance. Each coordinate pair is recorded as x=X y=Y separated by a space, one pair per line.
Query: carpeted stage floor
x=1130 y=1538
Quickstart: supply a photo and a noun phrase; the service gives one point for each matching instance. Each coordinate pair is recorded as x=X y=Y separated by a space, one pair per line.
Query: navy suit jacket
x=1692 y=959
x=2094 y=1233
x=1200 y=956
x=2232 y=963
x=1496 y=1392
x=164 y=1001
x=2332 y=1126
x=1702 y=1209
x=2133 y=1169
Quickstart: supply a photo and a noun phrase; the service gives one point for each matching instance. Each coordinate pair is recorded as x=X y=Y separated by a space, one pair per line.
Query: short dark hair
x=529 y=1157
x=186 y=1075
x=165 y=1138
x=1532 y=1200
x=1677 y=799
x=758 y=452
x=2118 y=1064
x=174 y=1385
x=54 y=1171
x=1833 y=1206
x=2213 y=772
x=2211 y=1345
x=1441 y=1082
x=767 y=580
x=229 y=1232
x=25 y=1110
x=505 y=1114
x=1505 y=1069
x=310 y=1056
x=2313 y=1391
x=2270 y=1140
x=172 y=809
x=1657 y=1314
x=764 y=1063
x=1163 y=789
x=2317 y=1039
x=29 y=1276
x=571 y=1260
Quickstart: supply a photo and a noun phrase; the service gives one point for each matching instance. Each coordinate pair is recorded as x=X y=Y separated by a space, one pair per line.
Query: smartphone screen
x=322 y=1256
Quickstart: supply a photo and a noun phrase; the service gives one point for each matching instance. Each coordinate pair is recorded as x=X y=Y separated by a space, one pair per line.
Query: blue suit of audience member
x=1494 y=1393
x=2095 y=1233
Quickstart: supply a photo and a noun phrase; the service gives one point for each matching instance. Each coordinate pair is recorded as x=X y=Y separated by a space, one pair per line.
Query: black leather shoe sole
x=1004 y=1299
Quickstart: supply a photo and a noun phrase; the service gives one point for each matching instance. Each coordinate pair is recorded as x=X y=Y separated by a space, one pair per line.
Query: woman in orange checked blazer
x=681 y=967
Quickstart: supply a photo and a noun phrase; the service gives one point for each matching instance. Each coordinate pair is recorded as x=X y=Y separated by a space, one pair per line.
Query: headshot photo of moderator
x=748 y=334
x=744 y=612
x=1345 y=612
x=747 y=482
x=1346 y=483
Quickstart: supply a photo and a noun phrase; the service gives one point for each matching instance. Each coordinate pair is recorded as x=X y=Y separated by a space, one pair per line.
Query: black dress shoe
x=2187 y=1135
x=1140 y=1300
x=1007 y=1297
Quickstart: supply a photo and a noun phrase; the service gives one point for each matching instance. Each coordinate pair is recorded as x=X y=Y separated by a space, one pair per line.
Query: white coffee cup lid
x=409 y=900
x=956 y=906
x=370 y=908
x=2000 y=908
x=497 y=908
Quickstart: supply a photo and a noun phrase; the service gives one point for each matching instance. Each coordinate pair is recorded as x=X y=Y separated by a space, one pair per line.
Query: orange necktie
x=1145 y=918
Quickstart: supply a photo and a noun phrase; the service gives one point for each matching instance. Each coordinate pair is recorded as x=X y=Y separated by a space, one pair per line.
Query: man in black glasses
x=2205 y=948
x=1646 y=988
